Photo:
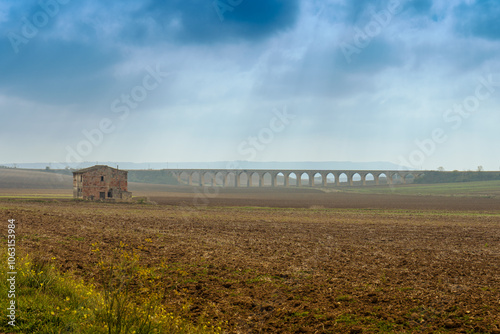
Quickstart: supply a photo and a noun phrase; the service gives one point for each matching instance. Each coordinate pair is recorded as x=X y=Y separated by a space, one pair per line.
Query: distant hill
x=16 y=178
x=339 y=165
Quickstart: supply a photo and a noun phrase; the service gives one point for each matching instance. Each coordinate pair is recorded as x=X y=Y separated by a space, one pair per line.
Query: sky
x=413 y=82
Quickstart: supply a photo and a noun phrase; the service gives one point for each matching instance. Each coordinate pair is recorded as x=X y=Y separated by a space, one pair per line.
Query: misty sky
x=413 y=82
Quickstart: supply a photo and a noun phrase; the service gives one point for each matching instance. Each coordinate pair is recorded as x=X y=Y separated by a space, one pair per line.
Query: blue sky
x=413 y=82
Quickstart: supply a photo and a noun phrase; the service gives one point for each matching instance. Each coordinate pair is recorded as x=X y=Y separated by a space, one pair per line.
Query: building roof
x=88 y=169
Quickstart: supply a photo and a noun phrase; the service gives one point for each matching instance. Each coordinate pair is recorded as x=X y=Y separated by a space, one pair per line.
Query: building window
x=102 y=195
x=102 y=178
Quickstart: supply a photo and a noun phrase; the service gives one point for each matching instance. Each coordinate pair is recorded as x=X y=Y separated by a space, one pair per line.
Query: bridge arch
x=393 y=177
x=182 y=177
x=267 y=179
x=390 y=178
x=292 y=178
x=343 y=179
x=367 y=178
x=219 y=177
x=380 y=178
x=207 y=178
x=302 y=176
x=330 y=179
x=195 y=178
x=417 y=175
x=408 y=178
x=279 y=179
x=316 y=179
x=355 y=178
x=254 y=179
x=242 y=177
x=230 y=179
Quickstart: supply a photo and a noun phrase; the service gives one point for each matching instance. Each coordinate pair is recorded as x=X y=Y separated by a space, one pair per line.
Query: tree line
x=456 y=176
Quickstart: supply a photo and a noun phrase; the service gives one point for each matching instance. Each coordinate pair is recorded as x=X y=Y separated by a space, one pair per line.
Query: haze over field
x=324 y=165
x=414 y=83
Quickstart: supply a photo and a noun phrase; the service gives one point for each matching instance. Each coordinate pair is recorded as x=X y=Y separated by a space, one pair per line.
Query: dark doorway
x=110 y=194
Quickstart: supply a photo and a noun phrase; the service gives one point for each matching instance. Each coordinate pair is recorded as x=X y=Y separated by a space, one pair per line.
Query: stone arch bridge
x=255 y=177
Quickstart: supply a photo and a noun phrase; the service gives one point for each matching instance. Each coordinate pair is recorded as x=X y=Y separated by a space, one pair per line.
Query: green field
x=480 y=189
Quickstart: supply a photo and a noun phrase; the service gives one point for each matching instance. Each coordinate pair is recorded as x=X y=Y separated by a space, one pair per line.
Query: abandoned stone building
x=101 y=182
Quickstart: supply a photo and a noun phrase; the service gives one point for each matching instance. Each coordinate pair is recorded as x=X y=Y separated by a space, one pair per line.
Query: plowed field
x=291 y=270
x=311 y=198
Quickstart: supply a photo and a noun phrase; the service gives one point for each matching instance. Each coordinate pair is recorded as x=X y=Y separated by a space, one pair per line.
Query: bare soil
x=315 y=198
x=294 y=270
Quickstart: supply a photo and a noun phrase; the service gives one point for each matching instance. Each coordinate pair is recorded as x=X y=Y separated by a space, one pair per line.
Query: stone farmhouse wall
x=101 y=183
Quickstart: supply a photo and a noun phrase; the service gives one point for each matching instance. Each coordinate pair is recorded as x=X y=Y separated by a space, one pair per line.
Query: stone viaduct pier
x=274 y=177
